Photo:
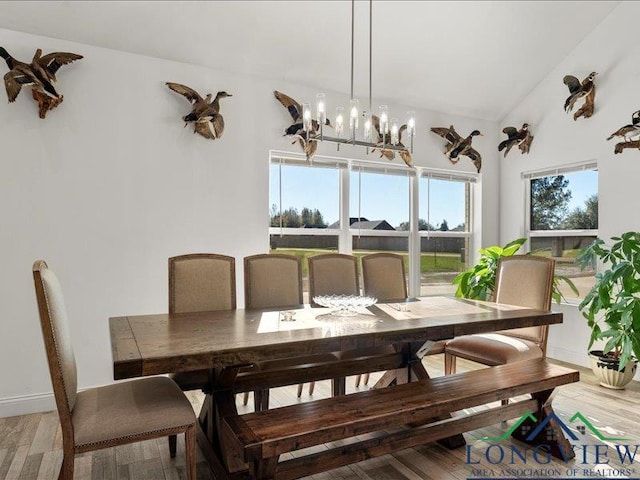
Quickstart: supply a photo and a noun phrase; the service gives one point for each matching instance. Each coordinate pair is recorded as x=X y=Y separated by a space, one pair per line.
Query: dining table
x=226 y=342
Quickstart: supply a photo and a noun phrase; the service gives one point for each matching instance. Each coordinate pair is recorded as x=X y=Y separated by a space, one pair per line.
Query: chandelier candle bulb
x=339 y=124
x=354 y=106
x=411 y=123
x=306 y=117
x=321 y=110
x=384 y=119
x=367 y=129
x=394 y=131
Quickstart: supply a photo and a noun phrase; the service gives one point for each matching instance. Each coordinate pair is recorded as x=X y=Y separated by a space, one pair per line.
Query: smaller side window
x=562 y=220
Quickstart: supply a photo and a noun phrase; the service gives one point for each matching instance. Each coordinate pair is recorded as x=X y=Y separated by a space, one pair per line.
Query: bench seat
x=261 y=437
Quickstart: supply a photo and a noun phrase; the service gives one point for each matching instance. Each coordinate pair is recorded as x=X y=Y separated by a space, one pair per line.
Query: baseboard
x=25 y=404
x=570 y=356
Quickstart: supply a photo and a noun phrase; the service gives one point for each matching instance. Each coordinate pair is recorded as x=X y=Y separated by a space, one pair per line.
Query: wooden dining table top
x=163 y=343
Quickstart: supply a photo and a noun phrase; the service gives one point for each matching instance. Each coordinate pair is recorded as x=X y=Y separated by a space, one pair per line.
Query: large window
x=304 y=201
x=359 y=207
x=444 y=230
x=562 y=218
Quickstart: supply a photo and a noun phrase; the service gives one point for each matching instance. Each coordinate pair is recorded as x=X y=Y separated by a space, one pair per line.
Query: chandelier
x=380 y=131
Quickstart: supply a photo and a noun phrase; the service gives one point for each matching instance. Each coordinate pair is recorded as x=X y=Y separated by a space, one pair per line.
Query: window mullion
x=345 y=245
x=414 y=237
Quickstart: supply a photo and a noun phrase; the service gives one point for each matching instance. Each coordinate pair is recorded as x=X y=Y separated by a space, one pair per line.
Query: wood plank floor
x=31 y=445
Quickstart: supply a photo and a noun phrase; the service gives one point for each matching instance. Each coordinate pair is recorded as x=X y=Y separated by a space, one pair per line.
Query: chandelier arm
x=353 y=8
x=370 y=52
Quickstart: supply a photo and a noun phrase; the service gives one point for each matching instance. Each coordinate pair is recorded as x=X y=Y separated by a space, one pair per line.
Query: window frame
x=554 y=171
x=345 y=234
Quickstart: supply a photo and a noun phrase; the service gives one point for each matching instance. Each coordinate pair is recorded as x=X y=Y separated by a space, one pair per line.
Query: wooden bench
x=261 y=437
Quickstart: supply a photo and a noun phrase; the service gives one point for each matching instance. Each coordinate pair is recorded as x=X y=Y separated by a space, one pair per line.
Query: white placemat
x=435 y=307
x=311 y=317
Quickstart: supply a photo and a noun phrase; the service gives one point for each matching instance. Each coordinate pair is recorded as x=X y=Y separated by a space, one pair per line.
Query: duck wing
x=13 y=82
x=205 y=128
x=53 y=61
x=406 y=157
x=622 y=131
x=525 y=145
x=188 y=93
x=572 y=82
x=294 y=108
x=510 y=131
x=475 y=157
x=447 y=133
x=218 y=124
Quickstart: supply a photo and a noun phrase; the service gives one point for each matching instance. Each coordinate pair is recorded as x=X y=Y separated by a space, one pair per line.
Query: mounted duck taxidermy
x=521 y=138
x=458 y=146
x=296 y=130
x=40 y=75
x=577 y=90
x=205 y=112
x=628 y=132
x=390 y=139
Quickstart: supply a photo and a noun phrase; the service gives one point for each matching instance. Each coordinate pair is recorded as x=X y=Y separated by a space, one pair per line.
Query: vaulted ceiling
x=477 y=58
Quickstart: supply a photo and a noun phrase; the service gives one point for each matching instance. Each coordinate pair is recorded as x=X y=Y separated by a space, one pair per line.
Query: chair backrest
x=272 y=280
x=333 y=274
x=383 y=276
x=57 y=342
x=201 y=282
x=527 y=281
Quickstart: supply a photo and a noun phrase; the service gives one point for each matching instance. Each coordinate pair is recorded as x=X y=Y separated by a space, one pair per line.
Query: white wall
x=110 y=185
x=609 y=50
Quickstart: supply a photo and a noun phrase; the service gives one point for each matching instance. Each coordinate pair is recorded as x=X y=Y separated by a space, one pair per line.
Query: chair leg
x=338 y=386
x=66 y=470
x=245 y=398
x=260 y=400
x=190 y=451
x=173 y=442
x=358 y=378
x=300 y=385
x=449 y=364
x=366 y=379
x=312 y=387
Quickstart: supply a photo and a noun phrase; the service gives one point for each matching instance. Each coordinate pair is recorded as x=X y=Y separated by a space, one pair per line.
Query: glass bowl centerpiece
x=344 y=305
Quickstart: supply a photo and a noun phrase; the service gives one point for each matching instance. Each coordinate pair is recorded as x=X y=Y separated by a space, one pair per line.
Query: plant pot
x=606 y=370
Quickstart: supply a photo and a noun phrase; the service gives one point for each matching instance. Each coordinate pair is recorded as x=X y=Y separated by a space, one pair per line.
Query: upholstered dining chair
x=200 y=282
x=274 y=280
x=384 y=277
x=112 y=415
x=522 y=280
x=332 y=274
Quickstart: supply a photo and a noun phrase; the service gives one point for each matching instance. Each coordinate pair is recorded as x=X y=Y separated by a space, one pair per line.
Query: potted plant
x=612 y=308
x=479 y=281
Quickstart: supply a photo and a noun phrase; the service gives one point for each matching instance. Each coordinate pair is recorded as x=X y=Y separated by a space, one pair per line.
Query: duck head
x=635 y=117
x=475 y=133
x=592 y=75
x=223 y=95
x=525 y=126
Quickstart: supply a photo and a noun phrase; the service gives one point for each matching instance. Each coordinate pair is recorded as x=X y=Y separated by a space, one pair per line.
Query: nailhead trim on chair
x=136 y=435
x=55 y=343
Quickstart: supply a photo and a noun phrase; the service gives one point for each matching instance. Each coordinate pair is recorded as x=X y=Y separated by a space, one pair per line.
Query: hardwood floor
x=31 y=445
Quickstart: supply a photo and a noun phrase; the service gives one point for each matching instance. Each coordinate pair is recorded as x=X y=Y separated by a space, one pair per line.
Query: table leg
x=417 y=372
x=219 y=402
x=397 y=376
